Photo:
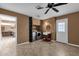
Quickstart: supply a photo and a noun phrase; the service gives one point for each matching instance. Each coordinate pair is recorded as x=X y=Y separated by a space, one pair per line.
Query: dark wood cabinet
x=47 y=37
x=4 y=34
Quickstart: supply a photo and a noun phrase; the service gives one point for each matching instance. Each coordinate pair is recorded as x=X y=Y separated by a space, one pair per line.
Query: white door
x=62 y=30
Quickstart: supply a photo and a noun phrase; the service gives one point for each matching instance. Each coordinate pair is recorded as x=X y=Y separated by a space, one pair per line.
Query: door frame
x=56 y=29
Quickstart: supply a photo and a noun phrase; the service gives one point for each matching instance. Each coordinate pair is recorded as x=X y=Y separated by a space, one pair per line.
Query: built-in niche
x=36 y=29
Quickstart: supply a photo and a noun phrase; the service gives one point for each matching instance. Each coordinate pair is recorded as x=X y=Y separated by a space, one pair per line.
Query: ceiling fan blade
x=40 y=7
x=47 y=11
x=58 y=4
x=55 y=10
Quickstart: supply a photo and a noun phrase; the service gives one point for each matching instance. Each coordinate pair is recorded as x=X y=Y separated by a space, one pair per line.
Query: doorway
x=8 y=30
x=62 y=30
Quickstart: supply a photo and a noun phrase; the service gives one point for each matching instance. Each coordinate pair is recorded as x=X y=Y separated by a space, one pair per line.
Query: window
x=61 y=27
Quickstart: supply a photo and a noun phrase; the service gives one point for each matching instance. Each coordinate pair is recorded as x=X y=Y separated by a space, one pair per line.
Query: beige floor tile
x=37 y=48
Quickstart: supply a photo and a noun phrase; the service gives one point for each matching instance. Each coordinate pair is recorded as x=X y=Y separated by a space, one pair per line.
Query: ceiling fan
x=51 y=6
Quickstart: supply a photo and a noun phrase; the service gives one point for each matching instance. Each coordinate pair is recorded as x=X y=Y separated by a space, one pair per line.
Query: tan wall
x=73 y=30
x=22 y=25
x=51 y=23
x=61 y=17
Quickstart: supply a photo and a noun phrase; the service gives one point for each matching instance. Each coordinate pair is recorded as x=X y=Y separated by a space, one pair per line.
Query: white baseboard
x=73 y=44
x=52 y=40
x=70 y=44
x=24 y=43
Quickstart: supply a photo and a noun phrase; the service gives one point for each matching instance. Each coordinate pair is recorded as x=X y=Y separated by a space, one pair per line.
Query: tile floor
x=37 y=48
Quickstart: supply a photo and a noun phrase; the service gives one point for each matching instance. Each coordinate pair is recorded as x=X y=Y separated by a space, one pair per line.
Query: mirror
x=48 y=27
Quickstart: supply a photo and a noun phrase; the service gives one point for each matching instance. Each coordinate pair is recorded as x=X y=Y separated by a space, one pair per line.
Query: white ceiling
x=30 y=9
